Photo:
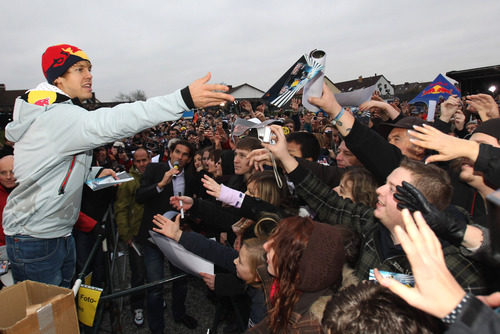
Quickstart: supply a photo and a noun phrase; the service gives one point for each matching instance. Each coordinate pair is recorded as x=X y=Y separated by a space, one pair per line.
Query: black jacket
x=157 y=202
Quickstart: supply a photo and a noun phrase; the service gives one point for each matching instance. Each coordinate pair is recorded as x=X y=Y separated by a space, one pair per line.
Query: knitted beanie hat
x=58 y=58
x=323 y=259
x=491 y=127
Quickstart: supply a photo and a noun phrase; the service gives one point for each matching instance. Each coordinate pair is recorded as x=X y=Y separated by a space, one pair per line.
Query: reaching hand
x=258 y=158
x=376 y=96
x=327 y=102
x=260 y=116
x=187 y=202
x=108 y=172
x=449 y=147
x=485 y=106
x=245 y=105
x=280 y=149
x=209 y=280
x=445 y=226
x=386 y=108
x=206 y=95
x=213 y=188
x=294 y=104
x=436 y=290
x=449 y=107
x=492 y=300
x=167 y=227
x=459 y=120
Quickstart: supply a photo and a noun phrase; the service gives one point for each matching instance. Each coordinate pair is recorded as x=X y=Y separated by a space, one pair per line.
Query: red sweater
x=3 y=200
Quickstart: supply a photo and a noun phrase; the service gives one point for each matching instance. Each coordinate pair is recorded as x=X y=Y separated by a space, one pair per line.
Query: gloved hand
x=443 y=224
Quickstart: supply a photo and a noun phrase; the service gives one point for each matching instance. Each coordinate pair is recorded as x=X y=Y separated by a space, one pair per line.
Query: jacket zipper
x=65 y=181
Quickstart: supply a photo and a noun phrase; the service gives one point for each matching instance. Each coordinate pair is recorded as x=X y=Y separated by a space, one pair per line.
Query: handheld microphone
x=176 y=164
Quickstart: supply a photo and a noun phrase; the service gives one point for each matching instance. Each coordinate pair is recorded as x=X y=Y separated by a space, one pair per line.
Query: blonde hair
x=256 y=256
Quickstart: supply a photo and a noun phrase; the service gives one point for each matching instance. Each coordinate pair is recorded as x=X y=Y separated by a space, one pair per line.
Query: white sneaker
x=139 y=317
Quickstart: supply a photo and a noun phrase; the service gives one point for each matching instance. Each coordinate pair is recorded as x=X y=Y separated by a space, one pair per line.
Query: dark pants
x=84 y=243
x=154 y=262
x=138 y=273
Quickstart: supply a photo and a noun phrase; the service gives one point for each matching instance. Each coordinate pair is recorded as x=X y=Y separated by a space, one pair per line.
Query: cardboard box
x=32 y=307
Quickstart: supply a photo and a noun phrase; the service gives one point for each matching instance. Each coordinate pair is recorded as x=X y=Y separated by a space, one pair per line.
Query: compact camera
x=264 y=134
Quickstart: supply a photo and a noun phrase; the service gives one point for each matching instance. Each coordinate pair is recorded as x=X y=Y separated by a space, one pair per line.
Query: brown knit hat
x=321 y=263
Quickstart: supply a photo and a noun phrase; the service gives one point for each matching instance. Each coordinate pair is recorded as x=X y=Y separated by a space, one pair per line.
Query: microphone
x=176 y=164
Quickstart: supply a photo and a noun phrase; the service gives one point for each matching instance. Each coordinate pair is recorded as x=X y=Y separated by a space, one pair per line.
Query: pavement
x=198 y=305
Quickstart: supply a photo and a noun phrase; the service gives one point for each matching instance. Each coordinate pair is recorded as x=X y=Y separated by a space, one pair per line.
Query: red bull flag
x=440 y=87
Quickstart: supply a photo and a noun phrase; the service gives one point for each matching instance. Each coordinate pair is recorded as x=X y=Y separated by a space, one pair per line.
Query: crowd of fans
x=350 y=220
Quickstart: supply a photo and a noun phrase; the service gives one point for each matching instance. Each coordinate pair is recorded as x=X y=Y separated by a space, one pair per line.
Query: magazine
x=108 y=181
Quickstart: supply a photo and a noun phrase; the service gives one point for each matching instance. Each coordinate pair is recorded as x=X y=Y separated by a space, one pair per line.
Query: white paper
x=356 y=97
x=108 y=181
x=431 y=111
x=181 y=257
x=314 y=88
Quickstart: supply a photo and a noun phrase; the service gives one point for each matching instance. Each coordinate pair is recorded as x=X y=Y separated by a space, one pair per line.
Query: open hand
x=206 y=95
x=436 y=291
x=213 y=188
x=167 y=227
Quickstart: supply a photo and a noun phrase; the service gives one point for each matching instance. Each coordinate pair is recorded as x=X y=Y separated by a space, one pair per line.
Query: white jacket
x=53 y=154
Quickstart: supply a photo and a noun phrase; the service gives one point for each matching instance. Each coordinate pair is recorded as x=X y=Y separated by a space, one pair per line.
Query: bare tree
x=137 y=95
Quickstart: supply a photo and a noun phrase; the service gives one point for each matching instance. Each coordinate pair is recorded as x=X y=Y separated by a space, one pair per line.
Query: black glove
x=443 y=224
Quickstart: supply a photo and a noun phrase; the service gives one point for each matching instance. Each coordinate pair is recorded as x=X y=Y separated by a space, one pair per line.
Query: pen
x=180 y=203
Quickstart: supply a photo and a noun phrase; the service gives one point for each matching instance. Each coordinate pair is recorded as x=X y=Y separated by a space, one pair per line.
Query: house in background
x=245 y=92
x=383 y=85
x=408 y=90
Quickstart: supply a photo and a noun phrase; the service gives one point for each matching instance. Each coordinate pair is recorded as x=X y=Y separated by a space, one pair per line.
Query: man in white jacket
x=53 y=138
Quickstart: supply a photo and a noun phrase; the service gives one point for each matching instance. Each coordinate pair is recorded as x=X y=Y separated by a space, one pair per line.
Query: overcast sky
x=159 y=46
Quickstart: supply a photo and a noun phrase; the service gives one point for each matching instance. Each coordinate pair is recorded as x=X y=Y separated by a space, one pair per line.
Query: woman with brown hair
x=304 y=262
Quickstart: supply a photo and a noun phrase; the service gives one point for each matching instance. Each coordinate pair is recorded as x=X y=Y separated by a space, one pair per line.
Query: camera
x=264 y=134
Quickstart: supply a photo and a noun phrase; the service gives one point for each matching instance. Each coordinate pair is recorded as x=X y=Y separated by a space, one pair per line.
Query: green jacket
x=128 y=213
x=333 y=209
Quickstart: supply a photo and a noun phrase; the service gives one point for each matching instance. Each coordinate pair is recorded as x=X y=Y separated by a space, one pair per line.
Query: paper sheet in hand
x=180 y=257
x=108 y=181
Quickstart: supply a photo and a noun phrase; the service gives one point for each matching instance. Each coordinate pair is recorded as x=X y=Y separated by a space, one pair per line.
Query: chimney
x=360 y=78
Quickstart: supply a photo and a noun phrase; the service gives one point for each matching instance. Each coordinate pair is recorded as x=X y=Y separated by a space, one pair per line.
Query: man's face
x=345 y=158
x=172 y=134
x=141 y=160
x=77 y=81
x=467 y=173
x=7 y=179
x=387 y=207
x=294 y=149
x=101 y=155
x=241 y=166
x=399 y=137
x=180 y=154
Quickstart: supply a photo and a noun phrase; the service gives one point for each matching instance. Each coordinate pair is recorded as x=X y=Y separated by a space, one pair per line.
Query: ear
x=57 y=82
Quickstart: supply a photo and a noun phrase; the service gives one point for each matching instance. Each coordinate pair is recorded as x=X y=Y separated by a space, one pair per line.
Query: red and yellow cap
x=58 y=58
